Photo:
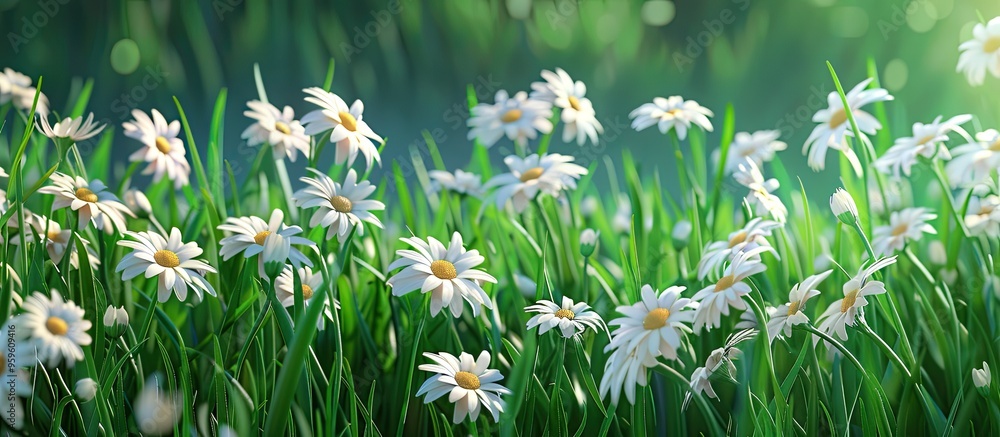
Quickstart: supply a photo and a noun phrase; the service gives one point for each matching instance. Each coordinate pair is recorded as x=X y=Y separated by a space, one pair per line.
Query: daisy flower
x=470 y=384
x=347 y=130
x=834 y=127
x=280 y=129
x=57 y=243
x=549 y=174
x=720 y=359
x=625 y=369
x=717 y=253
x=284 y=287
x=460 y=182
x=904 y=226
x=671 y=113
x=760 y=197
x=577 y=113
x=983 y=216
x=715 y=300
x=975 y=161
x=759 y=147
x=843 y=313
x=75 y=129
x=92 y=202
x=341 y=208
x=571 y=318
x=447 y=273
x=927 y=141
x=250 y=233
x=155 y=410
x=790 y=314
x=519 y=118
x=164 y=150
x=16 y=87
x=170 y=260
x=18 y=386
x=981 y=53
x=56 y=329
x=654 y=325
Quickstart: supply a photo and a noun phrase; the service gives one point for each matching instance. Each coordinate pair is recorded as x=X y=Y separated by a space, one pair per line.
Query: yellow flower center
x=725 y=283
x=926 y=139
x=564 y=314
x=84 y=194
x=995 y=147
x=656 y=319
x=838 y=118
x=341 y=204
x=849 y=300
x=467 y=380
x=166 y=258
x=673 y=113
x=260 y=237
x=511 y=116
x=900 y=229
x=793 y=308
x=532 y=174
x=740 y=237
x=991 y=45
x=348 y=121
x=574 y=103
x=307 y=292
x=444 y=269
x=52 y=235
x=163 y=145
x=282 y=127
x=56 y=326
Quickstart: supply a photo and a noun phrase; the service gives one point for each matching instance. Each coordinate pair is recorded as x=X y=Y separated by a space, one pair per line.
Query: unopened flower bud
x=843 y=207
x=588 y=242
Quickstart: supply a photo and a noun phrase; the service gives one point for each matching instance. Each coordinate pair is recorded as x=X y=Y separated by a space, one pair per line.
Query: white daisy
x=86 y=389
x=717 y=253
x=92 y=202
x=720 y=359
x=170 y=260
x=19 y=381
x=981 y=53
x=19 y=355
x=748 y=319
x=715 y=300
x=654 y=325
x=461 y=182
x=16 y=87
x=577 y=112
x=791 y=313
x=671 y=113
x=834 y=126
x=625 y=368
x=983 y=216
x=250 y=233
x=974 y=162
x=284 y=287
x=470 y=384
x=447 y=273
x=56 y=329
x=760 y=197
x=347 y=130
x=844 y=312
x=164 y=150
x=927 y=141
x=277 y=128
x=759 y=147
x=550 y=174
x=519 y=118
x=341 y=208
x=981 y=378
x=75 y=129
x=571 y=318
x=904 y=226
x=57 y=240
x=155 y=410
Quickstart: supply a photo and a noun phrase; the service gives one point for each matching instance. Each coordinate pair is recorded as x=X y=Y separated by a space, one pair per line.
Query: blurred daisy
x=3 y=174
x=904 y=226
x=791 y=313
x=347 y=130
x=57 y=243
x=277 y=128
x=170 y=260
x=549 y=174
x=17 y=383
x=155 y=410
x=983 y=216
x=92 y=202
x=981 y=53
x=137 y=202
x=519 y=118
x=16 y=87
x=55 y=328
x=717 y=253
x=927 y=141
x=460 y=182
x=447 y=273
x=577 y=113
x=250 y=233
x=975 y=161
x=470 y=384
x=834 y=125
x=748 y=319
x=758 y=147
x=571 y=318
x=843 y=313
x=760 y=197
x=341 y=208
x=654 y=325
x=715 y=300
x=671 y=113
x=163 y=150
x=75 y=129
x=284 y=287
x=86 y=389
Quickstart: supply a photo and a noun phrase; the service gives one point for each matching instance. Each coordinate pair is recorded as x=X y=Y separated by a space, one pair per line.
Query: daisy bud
x=276 y=250
x=86 y=388
x=843 y=207
x=588 y=206
x=115 y=321
x=981 y=378
x=588 y=242
x=681 y=234
x=138 y=203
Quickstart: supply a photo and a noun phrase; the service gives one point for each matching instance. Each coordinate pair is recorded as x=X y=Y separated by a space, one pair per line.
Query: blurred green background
x=411 y=60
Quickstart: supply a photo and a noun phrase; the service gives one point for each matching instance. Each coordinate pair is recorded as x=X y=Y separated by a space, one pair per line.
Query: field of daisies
x=707 y=289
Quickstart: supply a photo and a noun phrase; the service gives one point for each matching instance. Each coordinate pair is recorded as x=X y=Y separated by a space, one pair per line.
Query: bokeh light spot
x=896 y=74
x=658 y=12
x=125 y=56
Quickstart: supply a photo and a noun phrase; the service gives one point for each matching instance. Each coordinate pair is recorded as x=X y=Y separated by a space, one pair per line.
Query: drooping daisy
x=170 y=260
x=347 y=130
x=844 y=312
x=155 y=410
x=284 y=287
x=671 y=113
x=904 y=226
x=470 y=384
x=791 y=313
x=748 y=319
x=250 y=233
x=834 y=125
x=519 y=118
x=571 y=318
x=341 y=208
x=164 y=150
x=719 y=361
x=56 y=329
x=758 y=147
x=717 y=253
x=92 y=202
x=927 y=141
x=279 y=129
x=75 y=129
x=715 y=300
x=460 y=182
x=549 y=174
x=983 y=216
x=654 y=325
x=981 y=53
x=447 y=273
x=577 y=113
x=975 y=161
x=760 y=196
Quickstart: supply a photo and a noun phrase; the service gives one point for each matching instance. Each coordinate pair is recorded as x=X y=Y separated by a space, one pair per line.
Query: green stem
x=779 y=397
